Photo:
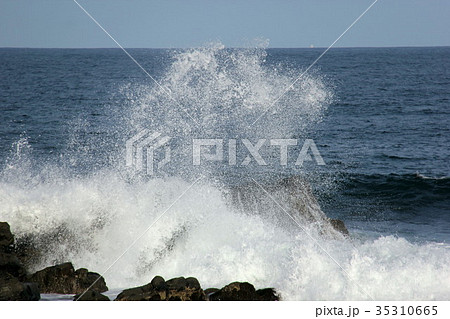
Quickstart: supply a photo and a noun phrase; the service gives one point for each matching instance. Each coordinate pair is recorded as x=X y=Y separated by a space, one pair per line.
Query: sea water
x=379 y=118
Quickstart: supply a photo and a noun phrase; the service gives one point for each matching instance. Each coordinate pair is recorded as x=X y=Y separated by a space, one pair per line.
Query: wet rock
x=90 y=295
x=339 y=226
x=177 y=283
x=12 y=272
x=6 y=237
x=193 y=283
x=210 y=291
x=176 y=289
x=159 y=283
x=143 y=293
x=185 y=289
x=242 y=291
x=87 y=278
x=31 y=291
x=186 y=294
x=56 y=279
x=63 y=279
x=11 y=289
x=267 y=294
x=236 y=291
x=10 y=264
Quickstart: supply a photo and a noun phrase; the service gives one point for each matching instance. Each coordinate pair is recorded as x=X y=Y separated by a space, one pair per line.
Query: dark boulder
x=159 y=283
x=10 y=264
x=236 y=291
x=176 y=283
x=193 y=283
x=87 y=278
x=90 y=295
x=267 y=294
x=31 y=291
x=243 y=291
x=143 y=293
x=186 y=294
x=63 y=279
x=339 y=226
x=176 y=289
x=12 y=272
x=11 y=289
x=6 y=237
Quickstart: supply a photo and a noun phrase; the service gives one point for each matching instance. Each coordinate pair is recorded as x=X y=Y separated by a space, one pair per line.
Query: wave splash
x=214 y=233
x=92 y=221
x=224 y=91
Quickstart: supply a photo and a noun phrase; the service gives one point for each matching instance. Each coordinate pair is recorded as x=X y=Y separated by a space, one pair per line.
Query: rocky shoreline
x=16 y=284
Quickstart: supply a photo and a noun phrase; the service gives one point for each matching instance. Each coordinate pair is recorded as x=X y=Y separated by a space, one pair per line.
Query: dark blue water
x=385 y=137
x=379 y=117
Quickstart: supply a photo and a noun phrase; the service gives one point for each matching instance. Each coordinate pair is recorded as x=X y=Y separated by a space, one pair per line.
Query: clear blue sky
x=235 y=23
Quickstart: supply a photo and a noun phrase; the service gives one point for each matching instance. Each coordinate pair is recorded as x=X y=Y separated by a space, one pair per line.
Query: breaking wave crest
x=93 y=220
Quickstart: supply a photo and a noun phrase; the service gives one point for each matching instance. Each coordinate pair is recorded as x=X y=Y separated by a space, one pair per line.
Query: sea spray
x=201 y=236
x=219 y=93
x=76 y=209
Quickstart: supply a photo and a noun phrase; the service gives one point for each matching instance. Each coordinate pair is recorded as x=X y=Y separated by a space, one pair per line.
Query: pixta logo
x=141 y=148
x=203 y=149
x=148 y=151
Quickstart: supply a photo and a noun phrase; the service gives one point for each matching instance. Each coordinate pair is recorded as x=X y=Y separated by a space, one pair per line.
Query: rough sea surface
x=380 y=118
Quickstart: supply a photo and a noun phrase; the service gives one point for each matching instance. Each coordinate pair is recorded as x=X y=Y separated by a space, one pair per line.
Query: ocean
x=379 y=117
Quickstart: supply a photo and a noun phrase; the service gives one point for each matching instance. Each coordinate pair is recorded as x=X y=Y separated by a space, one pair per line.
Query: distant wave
x=407 y=188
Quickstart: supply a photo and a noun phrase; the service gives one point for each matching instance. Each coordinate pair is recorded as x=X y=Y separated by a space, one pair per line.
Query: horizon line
x=198 y=47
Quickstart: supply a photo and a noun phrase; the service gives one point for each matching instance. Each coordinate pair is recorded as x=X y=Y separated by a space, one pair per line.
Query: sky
x=235 y=23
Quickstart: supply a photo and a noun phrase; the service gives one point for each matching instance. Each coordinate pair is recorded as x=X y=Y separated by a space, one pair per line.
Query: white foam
x=212 y=242
x=93 y=218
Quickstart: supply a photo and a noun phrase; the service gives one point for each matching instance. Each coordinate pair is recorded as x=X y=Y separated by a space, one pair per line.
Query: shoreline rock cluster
x=189 y=289
x=16 y=284
x=64 y=279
